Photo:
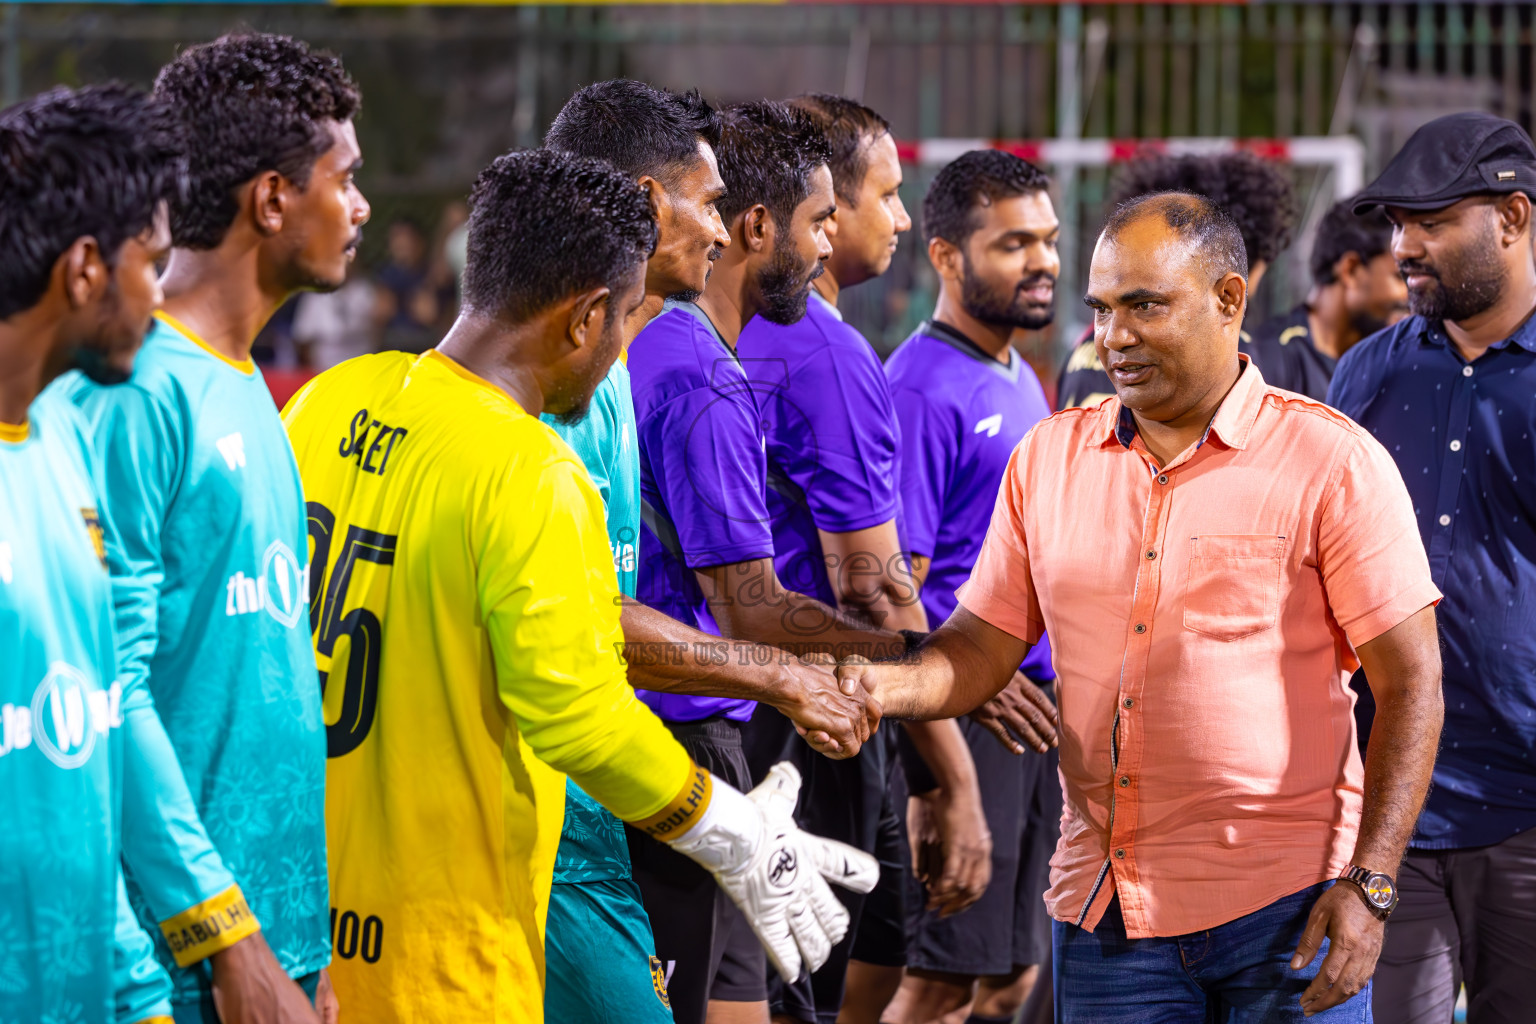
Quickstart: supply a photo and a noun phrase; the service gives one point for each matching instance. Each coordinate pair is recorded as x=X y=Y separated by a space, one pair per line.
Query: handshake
x=835 y=705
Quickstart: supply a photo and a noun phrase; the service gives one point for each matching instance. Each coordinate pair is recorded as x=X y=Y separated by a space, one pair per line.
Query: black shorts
x=706 y=948
x=850 y=801
x=1008 y=927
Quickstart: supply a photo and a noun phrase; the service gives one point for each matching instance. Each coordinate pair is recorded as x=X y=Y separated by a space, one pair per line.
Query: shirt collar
x=942 y=331
x=831 y=310
x=1232 y=423
x=1433 y=332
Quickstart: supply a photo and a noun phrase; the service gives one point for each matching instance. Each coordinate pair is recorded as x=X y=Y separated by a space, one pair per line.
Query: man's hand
x=250 y=988
x=951 y=849
x=834 y=721
x=776 y=873
x=1020 y=715
x=1354 y=936
x=326 y=1003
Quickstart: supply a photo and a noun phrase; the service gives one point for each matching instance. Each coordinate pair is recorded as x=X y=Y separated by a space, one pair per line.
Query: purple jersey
x=703 y=478
x=832 y=438
x=962 y=413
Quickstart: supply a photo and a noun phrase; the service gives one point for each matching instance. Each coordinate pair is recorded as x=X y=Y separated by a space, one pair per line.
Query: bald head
x=1209 y=234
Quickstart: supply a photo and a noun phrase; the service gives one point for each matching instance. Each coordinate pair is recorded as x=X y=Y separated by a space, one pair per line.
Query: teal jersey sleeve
x=592 y=844
x=60 y=731
x=204 y=498
x=166 y=850
x=140 y=987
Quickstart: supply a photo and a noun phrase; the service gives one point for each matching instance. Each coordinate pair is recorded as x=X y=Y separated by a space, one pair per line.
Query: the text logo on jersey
x=65 y=718
x=279 y=589
x=989 y=426
x=5 y=561
x=98 y=539
x=232 y=447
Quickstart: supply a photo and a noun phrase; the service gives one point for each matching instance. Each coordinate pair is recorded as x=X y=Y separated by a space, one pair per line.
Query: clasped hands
x=835 y=707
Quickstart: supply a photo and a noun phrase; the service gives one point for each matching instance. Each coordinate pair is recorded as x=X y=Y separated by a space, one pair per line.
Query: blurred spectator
x=409 y=304
x=332 y=327
x=448 y=254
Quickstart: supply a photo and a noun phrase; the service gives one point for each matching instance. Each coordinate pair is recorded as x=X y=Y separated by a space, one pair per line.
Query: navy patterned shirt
x=1461 y=434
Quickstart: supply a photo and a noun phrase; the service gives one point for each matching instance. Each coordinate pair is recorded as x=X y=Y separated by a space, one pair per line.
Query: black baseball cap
x=1451 y=158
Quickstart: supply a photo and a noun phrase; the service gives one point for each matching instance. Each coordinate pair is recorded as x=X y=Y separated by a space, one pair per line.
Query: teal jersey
x=592 y=845
x=202 y=489
x=69 y=948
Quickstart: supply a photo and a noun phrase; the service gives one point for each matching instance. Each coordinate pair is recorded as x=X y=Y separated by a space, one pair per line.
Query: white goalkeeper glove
x=776 y=873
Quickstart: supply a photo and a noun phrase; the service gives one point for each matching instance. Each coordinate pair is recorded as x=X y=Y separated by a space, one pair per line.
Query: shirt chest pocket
x=1233 y=586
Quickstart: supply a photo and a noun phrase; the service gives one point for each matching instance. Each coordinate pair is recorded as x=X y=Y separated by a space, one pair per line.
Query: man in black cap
x=1356 y=291
x=1451 y=393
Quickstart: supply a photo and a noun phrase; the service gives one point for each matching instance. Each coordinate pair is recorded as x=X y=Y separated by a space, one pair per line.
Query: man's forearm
x=667 y=656
x=962 y=665
x=804 y=625
x=1403 y=668
x=1398 y=766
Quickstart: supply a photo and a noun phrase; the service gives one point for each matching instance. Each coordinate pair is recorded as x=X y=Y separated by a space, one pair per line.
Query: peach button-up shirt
x=1202 y=616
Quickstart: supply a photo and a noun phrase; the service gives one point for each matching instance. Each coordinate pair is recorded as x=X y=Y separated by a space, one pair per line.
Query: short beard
x=784 y=286
x=1366 y=323
x=986 y=305
x=1480 y=280
x=715 y=252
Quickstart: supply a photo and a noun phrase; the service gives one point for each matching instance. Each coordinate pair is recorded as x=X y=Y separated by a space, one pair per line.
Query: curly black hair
x=545 y=225
x=1341 y=232
x=250 y=102
x=978 y=178
x=1254 y=192
x=93 y=162
x=768 y=151
x=638 y=128
x=850 y=127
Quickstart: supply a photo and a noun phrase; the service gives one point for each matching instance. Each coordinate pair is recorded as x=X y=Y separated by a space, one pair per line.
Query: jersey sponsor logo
x=989 y=426
x=279 y=589
x=232 y=447
x=93 y=528
x=67 y=715
x=5 y=561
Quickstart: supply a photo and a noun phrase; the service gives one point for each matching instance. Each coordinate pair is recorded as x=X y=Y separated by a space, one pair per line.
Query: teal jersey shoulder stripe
x=205 y=497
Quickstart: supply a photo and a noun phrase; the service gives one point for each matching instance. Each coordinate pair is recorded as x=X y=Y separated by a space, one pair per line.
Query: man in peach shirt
x=1211 y=558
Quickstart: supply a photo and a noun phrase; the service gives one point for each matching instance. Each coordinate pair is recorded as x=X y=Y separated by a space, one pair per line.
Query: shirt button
x=1120 y=854
x=1125 y=780
x=1455 y=446
x=1163 y=477
x=1141 y=627
x=1466 y=371
x=1128 y=702
x=1151 y=554
x=1445 y=520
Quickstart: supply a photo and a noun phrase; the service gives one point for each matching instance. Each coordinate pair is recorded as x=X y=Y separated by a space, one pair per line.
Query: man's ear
x=756 y=230
x=948 y=262
x=656 y=193
x=1514 y=217
x=1347 y=265
x=269 y=201
x=85 y=272
x=1231 y=293
x=589 y=311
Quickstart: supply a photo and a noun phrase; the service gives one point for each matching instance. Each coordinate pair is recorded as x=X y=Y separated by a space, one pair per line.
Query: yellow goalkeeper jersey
x=466 y=624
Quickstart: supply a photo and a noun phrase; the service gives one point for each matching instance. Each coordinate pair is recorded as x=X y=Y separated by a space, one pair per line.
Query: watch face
x=1379 y=890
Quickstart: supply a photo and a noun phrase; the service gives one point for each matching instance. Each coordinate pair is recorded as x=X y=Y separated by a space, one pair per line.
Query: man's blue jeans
x=1236 y=973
